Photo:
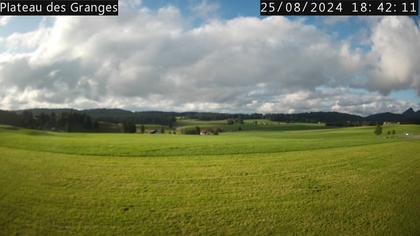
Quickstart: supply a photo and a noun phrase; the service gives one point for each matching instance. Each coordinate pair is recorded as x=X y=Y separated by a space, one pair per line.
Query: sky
x=202 y=55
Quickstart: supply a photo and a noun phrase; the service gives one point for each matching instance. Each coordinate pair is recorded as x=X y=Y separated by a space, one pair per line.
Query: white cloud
x=204 y=9
x=147 y=59
x=332 y=20
x=18 y=42
x=396 y=55
x=4 y=20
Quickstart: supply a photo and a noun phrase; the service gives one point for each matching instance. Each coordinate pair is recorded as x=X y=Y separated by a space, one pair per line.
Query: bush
x=190 y=131
x=378 y=130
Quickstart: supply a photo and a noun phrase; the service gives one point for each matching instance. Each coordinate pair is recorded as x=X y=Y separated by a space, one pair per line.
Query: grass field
x=288 y=181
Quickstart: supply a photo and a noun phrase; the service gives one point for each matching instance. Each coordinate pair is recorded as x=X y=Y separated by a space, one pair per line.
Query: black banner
x=339 y=7
x=58 y=8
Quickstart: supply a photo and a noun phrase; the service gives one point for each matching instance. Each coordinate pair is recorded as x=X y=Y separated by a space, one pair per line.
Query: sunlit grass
x=329 y=181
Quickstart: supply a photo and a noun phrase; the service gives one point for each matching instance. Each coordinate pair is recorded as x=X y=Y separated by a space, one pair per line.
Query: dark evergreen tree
x=378 y=130
x=28 y=120
x=96 y=125
x=53 y=120
x=129 y=127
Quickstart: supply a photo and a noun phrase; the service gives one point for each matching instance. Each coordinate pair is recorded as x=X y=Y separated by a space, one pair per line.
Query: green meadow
x=277 y=179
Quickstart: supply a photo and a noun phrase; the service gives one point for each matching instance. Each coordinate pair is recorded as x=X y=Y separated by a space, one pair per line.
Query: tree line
x=337 y=119
x=90 y=120
x=64 y=121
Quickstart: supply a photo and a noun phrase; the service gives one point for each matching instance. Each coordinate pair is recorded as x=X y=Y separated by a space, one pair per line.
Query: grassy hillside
x=248 y=125
x=328 y=181
x=183 y=145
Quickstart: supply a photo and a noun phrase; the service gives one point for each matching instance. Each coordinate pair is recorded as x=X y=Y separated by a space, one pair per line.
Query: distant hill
x=409 y=116
x=120 y=116
x=409 y=113
x=169 y=118
x=37 y=111
x=387 y=117
x=108 y=112
x=343 y=119
x=109 y=115
x=331 y=118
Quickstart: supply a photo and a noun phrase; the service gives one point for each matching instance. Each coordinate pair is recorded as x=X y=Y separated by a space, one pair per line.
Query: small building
x=205 y=132
x=391 y=123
